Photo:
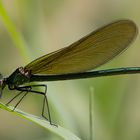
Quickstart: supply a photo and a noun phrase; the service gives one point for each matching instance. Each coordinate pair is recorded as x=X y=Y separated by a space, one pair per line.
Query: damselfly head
x=2 y=84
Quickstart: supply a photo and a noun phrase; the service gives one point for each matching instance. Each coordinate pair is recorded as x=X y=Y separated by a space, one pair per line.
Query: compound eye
x=1 y=77
x=2 y=84
x=1 y=81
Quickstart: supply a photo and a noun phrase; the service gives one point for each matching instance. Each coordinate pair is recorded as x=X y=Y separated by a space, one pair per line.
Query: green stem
x=14 y=33
x=91 y=94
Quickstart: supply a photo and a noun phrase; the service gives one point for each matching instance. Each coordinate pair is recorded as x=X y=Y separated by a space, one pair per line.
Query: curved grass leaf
x=59 y=131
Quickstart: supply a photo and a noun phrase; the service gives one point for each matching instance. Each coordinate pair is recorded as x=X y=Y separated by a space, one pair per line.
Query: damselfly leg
x=28 y=89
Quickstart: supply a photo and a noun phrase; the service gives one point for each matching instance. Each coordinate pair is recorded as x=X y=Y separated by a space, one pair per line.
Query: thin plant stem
x=91 y=110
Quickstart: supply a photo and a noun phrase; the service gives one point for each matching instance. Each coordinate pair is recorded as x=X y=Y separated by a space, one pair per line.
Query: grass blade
x=13 y=32
x=59 y=131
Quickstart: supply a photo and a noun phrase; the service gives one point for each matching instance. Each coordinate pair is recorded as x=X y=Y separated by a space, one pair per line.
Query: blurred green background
x=48 y=25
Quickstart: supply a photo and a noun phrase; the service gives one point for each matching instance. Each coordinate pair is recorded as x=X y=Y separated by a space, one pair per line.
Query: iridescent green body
x=76 y=61
x=18 y=77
